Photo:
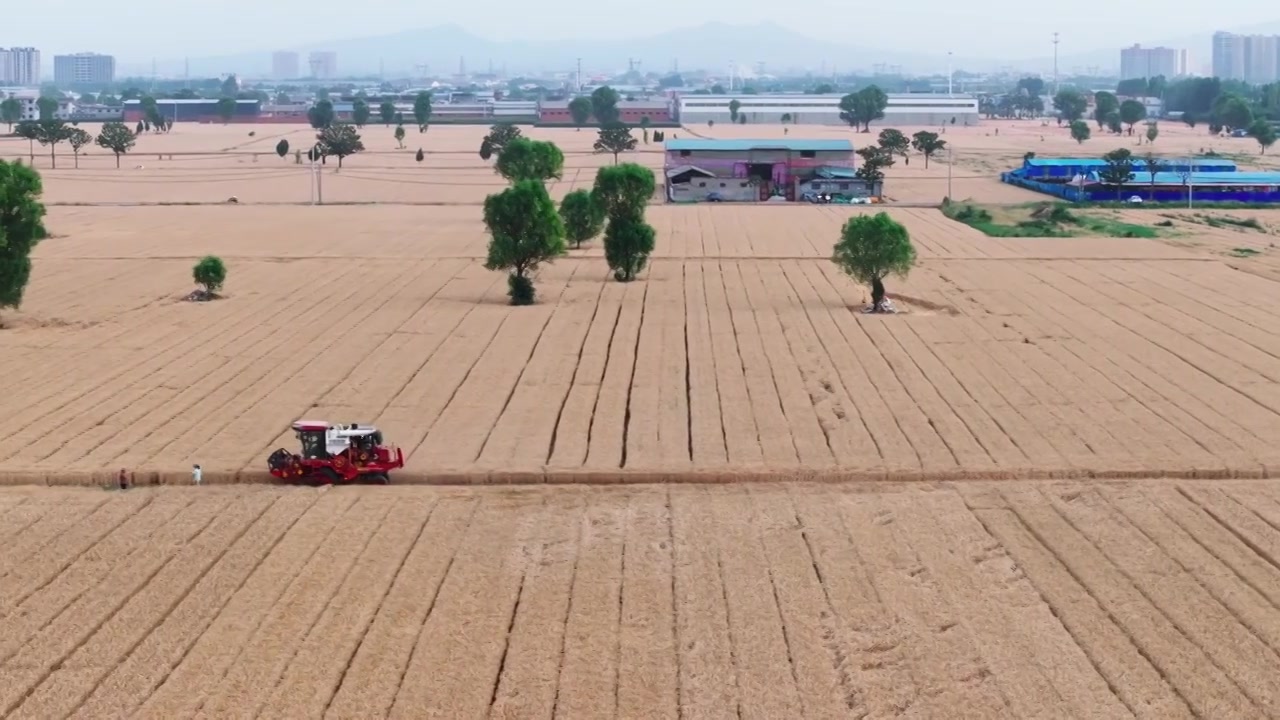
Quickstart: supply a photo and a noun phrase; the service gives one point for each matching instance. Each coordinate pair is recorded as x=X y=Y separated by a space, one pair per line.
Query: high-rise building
x=1228 y=56
x=284 y=65
x=84 y=69
x=19 y=66
x=324 y=64
x=1251 y=58
x=1140 y=62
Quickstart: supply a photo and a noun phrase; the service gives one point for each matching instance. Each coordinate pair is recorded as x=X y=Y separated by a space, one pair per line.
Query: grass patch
x=1243 y=252
x=1040 y=220
x=1227 y=222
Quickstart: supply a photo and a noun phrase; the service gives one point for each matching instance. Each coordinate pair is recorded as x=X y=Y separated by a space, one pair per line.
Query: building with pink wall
x=749 y=170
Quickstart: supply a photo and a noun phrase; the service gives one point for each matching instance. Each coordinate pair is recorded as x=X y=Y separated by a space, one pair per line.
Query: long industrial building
x=912 y=109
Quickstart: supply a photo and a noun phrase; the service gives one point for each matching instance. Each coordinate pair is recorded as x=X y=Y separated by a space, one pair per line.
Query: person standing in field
x=196 y=474
x=124 y=480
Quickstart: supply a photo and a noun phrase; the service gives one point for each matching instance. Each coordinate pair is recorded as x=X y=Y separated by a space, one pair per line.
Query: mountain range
x=713 y=46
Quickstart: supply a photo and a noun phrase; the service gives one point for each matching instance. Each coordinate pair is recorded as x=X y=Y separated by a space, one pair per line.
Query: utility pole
x=949 y=75
x=1056 y=87
x=949 y=164
x=579 y=74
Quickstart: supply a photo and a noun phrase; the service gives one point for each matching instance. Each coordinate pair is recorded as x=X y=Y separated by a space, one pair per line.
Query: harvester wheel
x=378 y=479
x=327 y=476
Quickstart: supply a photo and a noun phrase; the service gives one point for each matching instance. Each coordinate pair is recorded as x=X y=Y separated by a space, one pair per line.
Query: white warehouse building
x=909 y=109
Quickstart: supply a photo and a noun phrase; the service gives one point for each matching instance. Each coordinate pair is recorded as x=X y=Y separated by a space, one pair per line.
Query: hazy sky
x=177 y=28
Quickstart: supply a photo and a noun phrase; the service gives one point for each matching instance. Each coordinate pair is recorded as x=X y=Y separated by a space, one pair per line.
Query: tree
x=1105 y=103
x=21 y=228
x=580 y=110
x=871 y=248
x=1264 y=133
x=422 y=110
x=786 y=118
x=874 y=160
x=1153 y=132
x=895 y=143
x=78 y=138
x=1080 y=131
x=525 y=159
x=615 y=138
x=1132 y=112
x=360 y=113
x=341 y=140
x=717 y=89
x=823 y=89
x=118 y=138
x=1118 y=170
x=1232 y=111
x=1032 y=86
x=10 y=112
x=420 y=156
x=863 y=107
x=583 y=218
x=387 y=111
x=928 y=144
x=29 y=130
x=47 y=107
x=623 y=189
x=645 y=122
x=497 y=139
x=734 y=106
x=52 y=132
x=282 y=148
x=399 y=135
x=1070 y=104
x=525 y=231
x=628 y=242
x=604 y=105
x=211 y=273
x=1154 y=165
x=321 y=115
x=1114 y=122
x=226 y=108
x=230 y=86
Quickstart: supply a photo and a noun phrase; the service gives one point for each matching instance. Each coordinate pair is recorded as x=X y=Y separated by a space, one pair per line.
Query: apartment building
x=1138 y=62
x=88 y=68
x=20 y=66
x=1251 y=58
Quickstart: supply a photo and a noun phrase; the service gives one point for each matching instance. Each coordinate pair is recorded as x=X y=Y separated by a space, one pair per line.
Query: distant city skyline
x=1251 y=58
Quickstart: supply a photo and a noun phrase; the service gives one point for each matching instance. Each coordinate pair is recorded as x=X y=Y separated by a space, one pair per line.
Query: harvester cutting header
x=333 y=453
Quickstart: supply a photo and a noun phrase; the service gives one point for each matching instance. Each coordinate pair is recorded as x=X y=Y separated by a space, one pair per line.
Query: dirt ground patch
x=1154 y=599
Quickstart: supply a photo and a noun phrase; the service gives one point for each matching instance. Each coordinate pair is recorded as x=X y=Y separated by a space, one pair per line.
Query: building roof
x=188 y=101
x=1137 y=161
x=1201 y=178
x=749 y=145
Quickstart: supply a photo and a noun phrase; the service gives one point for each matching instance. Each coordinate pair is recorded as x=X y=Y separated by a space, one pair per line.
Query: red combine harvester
x=336 y=454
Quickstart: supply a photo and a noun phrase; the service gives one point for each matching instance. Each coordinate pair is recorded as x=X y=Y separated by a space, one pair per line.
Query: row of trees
x=893 y=143
x=527 y=230
x=116 y=137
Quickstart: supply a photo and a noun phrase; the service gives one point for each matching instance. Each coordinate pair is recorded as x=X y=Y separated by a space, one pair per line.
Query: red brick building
x=659 y=112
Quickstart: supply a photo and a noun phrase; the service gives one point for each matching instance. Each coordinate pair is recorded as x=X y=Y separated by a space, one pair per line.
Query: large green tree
x=1080 y=131
x=1104 y=103
x=583 y=217
x=895 y=143
x=604 y=105
x=871 y=248
x=340 y=140
x=525 y=231
x=928 y=144
x=47 y=107
x=21 y=227
x=50 y=133
x=422 y=110
x=1264 y=132
x=387 y=112
x=525 y=159
x=1070 y=104
x=615 y=138
x=1232 y=111
x=226 y=108
x=622 y=192
x=118 y=138
x=1132 y=112
x=321 y=114
x=360 y=113
x=1118 y=171
x=623 y=189
x=861 y=108
x=874 y=161
x=580 y=110
x=10 y=111
x=734 y=106
x=628 y=243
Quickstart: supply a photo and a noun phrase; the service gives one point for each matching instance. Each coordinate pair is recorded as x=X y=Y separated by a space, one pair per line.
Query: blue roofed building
x=1202 y=179
x=752 y=170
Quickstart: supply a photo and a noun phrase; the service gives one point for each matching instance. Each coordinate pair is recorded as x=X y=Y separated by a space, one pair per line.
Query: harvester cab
x=336 y=453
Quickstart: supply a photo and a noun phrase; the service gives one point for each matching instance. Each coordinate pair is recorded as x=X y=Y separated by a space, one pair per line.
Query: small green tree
x=387 y=111
x=399 y=135
x=623 y=189
x=340 y=140
x=525 y=231
x=583 y=218
x=321 y=115
x=78 y=138
x=1153 y=132
x=50 y=133
x=871 y=248
x=282 y=148
x=211 y=273
x=786 y=118
x=895 y=143
x=29 y=130
x=21 y=228
x=615 y=138
x=360 y=113
x=525 y=159
x=928 y=144
x=628 y=242
x=226 y=109
x=874 y=160
x=734 y=107
x=645 y=122
x=1155 y=165
x=118 y=138
x=1118 y=171
x=1080 y=131
x=1132 y=112
x=1264 y=133
x=10 y=111
x=422 y=110
x=497 y=139
x=604 y=105
x=580 y=111
x=1104 y=103
x=420 y=156
x=47 y=108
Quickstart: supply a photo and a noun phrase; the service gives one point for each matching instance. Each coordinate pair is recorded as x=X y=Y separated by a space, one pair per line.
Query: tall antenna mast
x=1056 y=87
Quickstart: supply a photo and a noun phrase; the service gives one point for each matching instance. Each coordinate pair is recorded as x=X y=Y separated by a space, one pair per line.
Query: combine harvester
x=336 y=454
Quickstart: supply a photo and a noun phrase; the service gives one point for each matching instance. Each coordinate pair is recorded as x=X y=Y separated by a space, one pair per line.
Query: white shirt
x=196 y=474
